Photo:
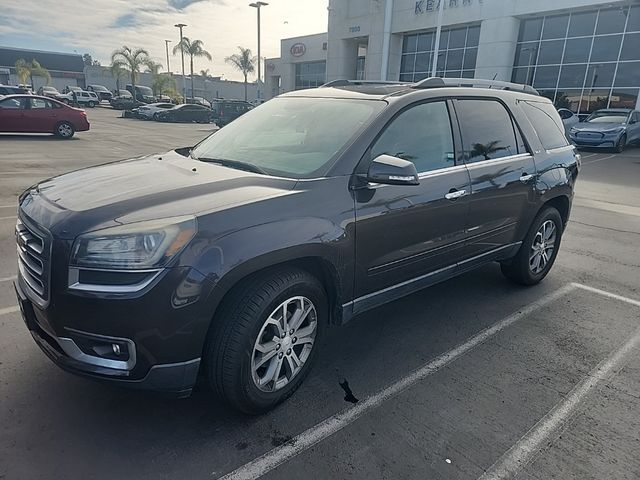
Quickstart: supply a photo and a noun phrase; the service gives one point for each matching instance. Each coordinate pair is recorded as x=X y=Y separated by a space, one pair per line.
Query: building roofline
x=39 y=51
x=305 y=36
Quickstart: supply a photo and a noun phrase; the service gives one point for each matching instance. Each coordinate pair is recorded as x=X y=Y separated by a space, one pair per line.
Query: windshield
x=297 y=137
x=607 y=117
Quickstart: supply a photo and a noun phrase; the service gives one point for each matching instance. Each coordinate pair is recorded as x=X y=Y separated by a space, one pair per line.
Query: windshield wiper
x=238 y=165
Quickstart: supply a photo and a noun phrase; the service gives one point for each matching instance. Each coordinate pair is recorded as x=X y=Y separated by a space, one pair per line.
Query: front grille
x=33 y=260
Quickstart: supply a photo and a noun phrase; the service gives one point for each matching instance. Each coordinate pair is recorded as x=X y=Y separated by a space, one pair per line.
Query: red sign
x=298 y=49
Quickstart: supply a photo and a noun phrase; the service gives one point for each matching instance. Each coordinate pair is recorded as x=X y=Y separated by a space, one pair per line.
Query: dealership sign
x=298 y=49
x=428 y=6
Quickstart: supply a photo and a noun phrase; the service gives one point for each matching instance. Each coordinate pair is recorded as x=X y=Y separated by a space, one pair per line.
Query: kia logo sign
x=298 y=49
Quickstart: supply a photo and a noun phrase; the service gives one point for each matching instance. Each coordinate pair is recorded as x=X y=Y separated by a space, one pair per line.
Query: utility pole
x=257 y=6
x=166 y=44
x=437 y=44
x=184 y=83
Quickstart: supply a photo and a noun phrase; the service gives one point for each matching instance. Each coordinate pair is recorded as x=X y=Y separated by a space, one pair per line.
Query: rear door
x=12 y=115
x=406 y=232
x=502 y=174
x=41 y=116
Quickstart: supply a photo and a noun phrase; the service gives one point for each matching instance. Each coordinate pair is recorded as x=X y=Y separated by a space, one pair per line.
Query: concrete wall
x=207 y=88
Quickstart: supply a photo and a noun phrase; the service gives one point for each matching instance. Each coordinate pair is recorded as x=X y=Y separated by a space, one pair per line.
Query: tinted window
x=487 y=130
x=611 y=21
x=13 y=103
x=582 y=24
x=546 y=123
x=555 y=27
x=422 y=135
x=39 y=103
x=577 y=50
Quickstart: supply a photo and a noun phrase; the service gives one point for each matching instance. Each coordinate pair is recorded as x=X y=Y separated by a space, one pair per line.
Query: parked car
x=70 y=88
x=49 y=91
x=609 y=128
x=143 y=94
x=569 y=119
x=148 y=112
x=243 y=249
x=185 y=113
x=226 y=111
x=199 y=101
x=81 y=97
x=12 y=90
x=100 y=90
x=39 y=114
x=123 y=100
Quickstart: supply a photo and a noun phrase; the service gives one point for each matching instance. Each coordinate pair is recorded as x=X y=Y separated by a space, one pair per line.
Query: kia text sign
x=428 y=6
x=298 y=49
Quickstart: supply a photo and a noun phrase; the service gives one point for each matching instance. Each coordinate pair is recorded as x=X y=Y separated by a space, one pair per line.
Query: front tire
x=265 y=338
x=622 y=143
x=538 y=250
x=92 y=104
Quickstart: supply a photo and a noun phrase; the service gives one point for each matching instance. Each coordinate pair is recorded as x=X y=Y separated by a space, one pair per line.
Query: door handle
x=455 y=194
x=525 y=177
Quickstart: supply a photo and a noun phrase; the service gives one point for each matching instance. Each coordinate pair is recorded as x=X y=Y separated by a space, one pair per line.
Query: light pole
x=166 y=44
x=436 y=47
x=257 y=6
x=184 y=83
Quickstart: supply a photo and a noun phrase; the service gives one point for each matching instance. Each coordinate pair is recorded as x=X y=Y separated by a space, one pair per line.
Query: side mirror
x=390 y=170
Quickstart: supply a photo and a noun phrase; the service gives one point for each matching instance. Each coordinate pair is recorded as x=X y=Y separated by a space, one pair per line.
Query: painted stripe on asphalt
x=598 y=160
x=521 y=453
x=8 y=218
x=604 y=293
x=8 y=279
x=6 y=311
x=272 y=459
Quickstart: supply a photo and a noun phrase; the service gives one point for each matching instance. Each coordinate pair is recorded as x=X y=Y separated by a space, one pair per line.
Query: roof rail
x=345 y=83
x=435 y=82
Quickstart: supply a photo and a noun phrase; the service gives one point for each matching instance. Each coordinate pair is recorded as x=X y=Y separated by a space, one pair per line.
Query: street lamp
x=166 y=44
x=436 y=47
x=257 y=6
x=184 y=83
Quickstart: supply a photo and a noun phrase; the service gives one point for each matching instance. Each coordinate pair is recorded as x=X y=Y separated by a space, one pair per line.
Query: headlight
x=614 y=130
x=134 y=246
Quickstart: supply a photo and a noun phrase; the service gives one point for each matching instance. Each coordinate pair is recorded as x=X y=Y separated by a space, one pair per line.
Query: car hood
x=155 y=186
x=597 y=127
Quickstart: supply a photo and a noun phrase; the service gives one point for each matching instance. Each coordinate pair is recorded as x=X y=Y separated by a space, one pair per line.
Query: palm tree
x=117 y=71
x=162 y=82
x=131 y=61
x=154 y=67
x=244 y=62
x=206 y=73
x=26 y=70
x=194 y=49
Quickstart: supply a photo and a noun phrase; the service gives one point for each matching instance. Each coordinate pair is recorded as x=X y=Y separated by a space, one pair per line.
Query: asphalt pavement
x=473 y=378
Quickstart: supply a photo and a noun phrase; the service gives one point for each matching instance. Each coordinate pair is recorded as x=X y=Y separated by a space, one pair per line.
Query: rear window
x=547 y=123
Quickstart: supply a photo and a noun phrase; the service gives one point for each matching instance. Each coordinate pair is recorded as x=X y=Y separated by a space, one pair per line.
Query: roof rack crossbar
x=345 y=83
x=436 y=82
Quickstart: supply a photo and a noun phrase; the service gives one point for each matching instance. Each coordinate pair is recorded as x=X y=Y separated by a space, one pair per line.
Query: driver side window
x=422 y=135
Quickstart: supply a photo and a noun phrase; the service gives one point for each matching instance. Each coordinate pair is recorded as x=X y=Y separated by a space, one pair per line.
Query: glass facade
x=310 y=74
x=582 y=61
x=457 y=54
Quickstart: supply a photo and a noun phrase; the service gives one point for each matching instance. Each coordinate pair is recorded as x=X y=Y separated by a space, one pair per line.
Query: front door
x=12 y=115
x=407 y=232
x=502 y=174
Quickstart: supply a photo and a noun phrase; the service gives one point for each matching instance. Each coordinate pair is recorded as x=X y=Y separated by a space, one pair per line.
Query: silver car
x=608 y=128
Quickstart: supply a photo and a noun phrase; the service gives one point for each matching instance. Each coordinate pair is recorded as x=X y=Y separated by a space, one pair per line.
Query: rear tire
x=538 y=250
x=65 y=130
x=248 y=329
x=92 y=104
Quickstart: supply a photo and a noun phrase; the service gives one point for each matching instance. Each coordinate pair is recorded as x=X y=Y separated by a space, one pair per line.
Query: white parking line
x=8 y=279
x=272 y=459
x=6 y=311
x=521 y=453
x=8 y=218
x=598 y=160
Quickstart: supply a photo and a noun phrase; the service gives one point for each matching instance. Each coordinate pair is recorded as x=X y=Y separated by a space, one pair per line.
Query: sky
x=98 y=27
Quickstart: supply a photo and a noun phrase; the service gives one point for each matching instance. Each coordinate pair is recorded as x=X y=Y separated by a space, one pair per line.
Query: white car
x=568 y=118
x=147 y=112
x=83 y=97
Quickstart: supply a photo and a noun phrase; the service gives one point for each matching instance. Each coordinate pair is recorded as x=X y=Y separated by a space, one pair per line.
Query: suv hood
x=155 y=186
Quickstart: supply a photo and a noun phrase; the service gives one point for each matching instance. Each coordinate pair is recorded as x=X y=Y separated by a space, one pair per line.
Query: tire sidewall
x=548 y=214
x=622 y=143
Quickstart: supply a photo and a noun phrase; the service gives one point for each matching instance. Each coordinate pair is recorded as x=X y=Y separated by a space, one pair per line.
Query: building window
x=310 y=74
x=582 y=61
x=457 y=54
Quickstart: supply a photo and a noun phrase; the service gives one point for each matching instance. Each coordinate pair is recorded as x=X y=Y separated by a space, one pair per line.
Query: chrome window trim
x=74 y=283
x=499 y=161
x=441 y=171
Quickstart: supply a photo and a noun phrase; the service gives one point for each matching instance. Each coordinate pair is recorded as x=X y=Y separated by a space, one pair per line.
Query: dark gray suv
x=231 y=258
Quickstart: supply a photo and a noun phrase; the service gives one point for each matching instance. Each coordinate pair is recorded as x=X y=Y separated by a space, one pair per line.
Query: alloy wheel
x=542 y=247
x=284 y=344
x=65 y=130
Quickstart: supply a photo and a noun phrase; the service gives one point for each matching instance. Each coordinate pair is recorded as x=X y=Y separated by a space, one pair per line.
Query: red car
x=37 y=114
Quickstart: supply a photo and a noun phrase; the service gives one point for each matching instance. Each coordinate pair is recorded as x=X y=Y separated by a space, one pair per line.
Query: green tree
x=206 y=73
x=244 y=62
x=162 y=82
x=117 y=71
x=131 y=61
x=193 y=48
x=27 y=70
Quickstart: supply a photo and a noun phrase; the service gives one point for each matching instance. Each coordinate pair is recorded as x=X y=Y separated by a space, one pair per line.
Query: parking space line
x=8 y=218
x=530 y=443
x=598 y=160
x=8 y=279
x=590 y=155
x=272 y=459
x=6 y=311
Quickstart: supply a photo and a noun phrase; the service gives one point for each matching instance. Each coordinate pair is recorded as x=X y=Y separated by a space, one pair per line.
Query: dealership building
x=582 y=54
